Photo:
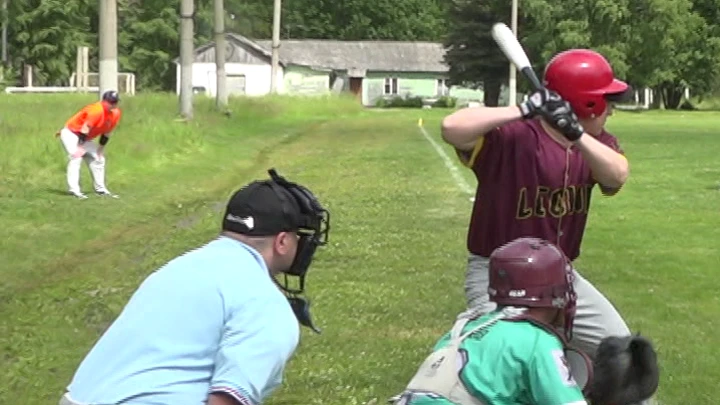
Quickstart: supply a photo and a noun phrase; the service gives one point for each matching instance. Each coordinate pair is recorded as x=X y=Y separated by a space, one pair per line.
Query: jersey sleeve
x=488 y=154
x=258 y=340
x=116 y=115
x=551 y=382
x=471 y=158
x=612 y=142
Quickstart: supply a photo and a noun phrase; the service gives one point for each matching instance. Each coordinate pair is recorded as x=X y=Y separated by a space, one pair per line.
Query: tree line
x=666 y=45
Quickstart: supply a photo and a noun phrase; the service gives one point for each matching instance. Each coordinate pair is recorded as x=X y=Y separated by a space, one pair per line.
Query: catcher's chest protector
x=439 y=375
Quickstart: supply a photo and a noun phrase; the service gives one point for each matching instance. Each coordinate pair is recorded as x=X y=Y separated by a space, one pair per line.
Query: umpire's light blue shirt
x=209 y=320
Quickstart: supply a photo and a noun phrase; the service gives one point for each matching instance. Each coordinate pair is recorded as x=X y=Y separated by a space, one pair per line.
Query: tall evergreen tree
x=474 y=58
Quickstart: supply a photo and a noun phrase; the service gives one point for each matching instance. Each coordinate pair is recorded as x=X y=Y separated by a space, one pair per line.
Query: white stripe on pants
x=95 y=163
x=595 y=318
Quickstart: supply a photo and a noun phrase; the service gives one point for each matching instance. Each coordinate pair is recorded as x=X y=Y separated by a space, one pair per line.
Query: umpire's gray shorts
x=596 y=317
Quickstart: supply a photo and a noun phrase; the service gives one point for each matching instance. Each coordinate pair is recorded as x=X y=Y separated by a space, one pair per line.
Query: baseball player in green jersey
x=518 y=353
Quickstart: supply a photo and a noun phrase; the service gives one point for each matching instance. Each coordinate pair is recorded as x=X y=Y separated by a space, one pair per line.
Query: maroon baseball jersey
x=523 y=189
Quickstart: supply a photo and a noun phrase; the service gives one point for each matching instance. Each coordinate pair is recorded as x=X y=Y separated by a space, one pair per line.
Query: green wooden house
x=372 y=70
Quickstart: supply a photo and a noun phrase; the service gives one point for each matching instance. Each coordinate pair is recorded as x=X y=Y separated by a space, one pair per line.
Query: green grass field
x=391 y=279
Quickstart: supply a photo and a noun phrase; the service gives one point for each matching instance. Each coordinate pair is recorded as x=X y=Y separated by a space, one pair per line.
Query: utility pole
x=512 y=96
x=4 y=33
x=108 y=46
x=187 y=33
x=221 y=95
x=275 y=46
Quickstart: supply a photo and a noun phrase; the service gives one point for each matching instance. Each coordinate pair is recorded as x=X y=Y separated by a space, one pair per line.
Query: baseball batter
x=518 y=354
x=537 y=165
x=78 y=139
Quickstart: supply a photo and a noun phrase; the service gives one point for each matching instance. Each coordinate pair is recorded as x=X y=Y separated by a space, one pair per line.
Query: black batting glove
x=560 y=115
x=537 y=102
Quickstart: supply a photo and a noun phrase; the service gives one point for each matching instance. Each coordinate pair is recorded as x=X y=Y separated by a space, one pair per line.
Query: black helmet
x=111 y=96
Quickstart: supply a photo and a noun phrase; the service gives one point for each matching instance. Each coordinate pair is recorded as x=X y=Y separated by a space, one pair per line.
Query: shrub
x=405 y=102
x=445 y=102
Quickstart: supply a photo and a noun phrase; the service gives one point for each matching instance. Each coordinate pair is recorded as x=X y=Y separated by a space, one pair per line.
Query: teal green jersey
x=513 y=363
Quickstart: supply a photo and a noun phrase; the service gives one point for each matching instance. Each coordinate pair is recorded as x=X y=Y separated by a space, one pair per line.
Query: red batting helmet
x=585 y=79
x=531 y=272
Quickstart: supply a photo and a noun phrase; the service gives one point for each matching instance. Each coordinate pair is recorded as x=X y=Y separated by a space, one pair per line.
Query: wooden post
x=28 y=75
x=86 y=69
x=108 y=65
x=78 y=69
x=221 y=92
x=275 y=55
x=187 y=34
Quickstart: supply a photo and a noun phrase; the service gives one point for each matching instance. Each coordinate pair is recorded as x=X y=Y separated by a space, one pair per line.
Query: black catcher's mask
x=313 y=230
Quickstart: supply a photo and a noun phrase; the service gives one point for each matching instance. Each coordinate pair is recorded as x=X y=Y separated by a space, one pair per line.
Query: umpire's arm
x=258 y=340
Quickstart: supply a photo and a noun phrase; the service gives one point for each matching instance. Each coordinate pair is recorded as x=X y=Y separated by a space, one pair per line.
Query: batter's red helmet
x=585 y=79
x=531 y=272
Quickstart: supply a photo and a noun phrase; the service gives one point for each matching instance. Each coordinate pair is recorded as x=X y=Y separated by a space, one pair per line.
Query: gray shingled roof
x=370 y=55
x=341 y=55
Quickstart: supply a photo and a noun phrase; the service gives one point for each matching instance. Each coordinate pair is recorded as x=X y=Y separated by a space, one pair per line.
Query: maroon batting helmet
x=532 y=272
x=586 y=80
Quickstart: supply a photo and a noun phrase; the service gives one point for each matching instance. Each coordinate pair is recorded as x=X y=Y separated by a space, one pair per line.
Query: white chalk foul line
x=454 y=171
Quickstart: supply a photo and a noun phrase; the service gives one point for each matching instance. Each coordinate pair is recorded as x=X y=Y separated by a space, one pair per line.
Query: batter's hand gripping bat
x=512 y=49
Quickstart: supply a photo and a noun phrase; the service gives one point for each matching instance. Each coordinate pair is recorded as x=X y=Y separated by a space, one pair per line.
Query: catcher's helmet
x=111 y=96
x=532 y=272
x=585 y=79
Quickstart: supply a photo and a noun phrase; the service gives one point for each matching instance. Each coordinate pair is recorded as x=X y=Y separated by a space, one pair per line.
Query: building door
x=356 y=87
x=235 y=85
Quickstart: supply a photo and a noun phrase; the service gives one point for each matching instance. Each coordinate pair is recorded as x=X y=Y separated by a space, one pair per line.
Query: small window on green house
x=391 y=86
x=441 y=88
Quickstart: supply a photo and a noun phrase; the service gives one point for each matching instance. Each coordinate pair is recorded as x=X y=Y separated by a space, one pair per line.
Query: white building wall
x=257 y=77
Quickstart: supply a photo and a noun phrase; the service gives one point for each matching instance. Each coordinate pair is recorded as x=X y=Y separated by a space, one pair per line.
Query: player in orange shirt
x=94 y=120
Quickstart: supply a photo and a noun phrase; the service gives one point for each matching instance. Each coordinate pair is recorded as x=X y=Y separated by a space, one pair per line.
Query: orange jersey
x=98 y=119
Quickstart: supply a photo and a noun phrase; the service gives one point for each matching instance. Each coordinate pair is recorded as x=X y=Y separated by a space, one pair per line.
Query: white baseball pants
x=70 y=142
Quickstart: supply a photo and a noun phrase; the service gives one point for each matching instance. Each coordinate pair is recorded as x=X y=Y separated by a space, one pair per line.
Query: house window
x=391 y=86
x=441 y=87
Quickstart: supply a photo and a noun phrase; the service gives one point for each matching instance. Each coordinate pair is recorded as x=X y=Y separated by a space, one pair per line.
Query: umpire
x=214 y=324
